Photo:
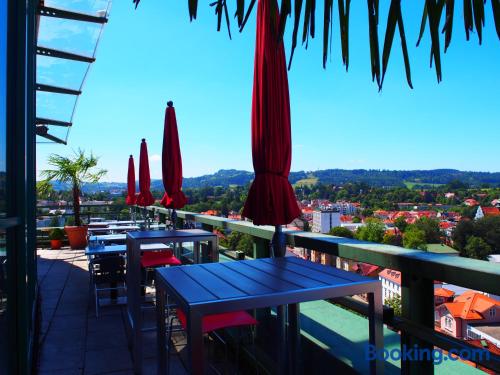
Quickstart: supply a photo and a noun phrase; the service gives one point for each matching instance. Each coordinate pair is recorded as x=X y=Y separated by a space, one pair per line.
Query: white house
x=391 y=283
x=324 y=220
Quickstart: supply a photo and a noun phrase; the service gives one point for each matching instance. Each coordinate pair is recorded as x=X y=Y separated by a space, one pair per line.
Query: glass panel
x=3 y=105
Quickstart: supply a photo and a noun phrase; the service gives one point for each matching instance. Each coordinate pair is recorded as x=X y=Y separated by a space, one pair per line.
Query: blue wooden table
x=205 y=289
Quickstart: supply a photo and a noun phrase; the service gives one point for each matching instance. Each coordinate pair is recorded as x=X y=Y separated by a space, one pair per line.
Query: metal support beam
x=56 y=90
x=42 y=131
x=44 y=51
x=69 y=15
x=48 y=121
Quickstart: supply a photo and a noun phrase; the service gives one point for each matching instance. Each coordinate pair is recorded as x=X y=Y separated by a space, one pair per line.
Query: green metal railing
x=419 y=269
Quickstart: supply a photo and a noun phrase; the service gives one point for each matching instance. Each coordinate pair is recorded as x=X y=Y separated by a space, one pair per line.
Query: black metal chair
x=107 y=273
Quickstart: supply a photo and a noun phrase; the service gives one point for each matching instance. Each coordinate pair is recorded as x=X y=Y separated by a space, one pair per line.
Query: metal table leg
x=295 y=355
x=195 y=343
x=161 y=331
x=282 y=350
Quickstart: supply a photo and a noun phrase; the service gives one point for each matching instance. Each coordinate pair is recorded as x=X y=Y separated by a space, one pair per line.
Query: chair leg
x=169 y=342
x=96 y=302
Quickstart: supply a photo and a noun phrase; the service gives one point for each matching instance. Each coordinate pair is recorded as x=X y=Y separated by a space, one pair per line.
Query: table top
x=173 y=234
x=114 y=227
x=111 y=249
x=122 y=249
x=111 y=237
x=229 y=286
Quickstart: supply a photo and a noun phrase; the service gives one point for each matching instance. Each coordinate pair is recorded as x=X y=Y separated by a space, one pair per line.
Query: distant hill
x=373 y=177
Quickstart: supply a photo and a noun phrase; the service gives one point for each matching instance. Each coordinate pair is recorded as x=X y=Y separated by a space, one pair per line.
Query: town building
x=486 y=211
x=391 y=283
x=324 y=220
x=471 y=315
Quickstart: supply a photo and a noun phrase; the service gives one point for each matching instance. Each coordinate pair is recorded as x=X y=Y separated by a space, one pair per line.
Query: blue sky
x=339 y=120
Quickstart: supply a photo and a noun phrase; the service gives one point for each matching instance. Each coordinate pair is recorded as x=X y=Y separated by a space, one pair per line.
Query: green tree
x=233 y=240
x=341 y=232
x=356 y=219
x=373 y=231
x=246 y=244
x=463 y=230
x=44 y=190
x=75 y=170
x=414 y=238
x=477 y=248
x=431 y=229
x=395 y=303
x=391 y=239
x=401 y=223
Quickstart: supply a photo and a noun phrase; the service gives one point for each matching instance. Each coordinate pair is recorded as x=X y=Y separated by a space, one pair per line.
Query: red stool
x=152 y=259
x=212 y=323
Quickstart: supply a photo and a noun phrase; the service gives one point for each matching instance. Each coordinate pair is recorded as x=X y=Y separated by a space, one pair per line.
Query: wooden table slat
x=190 y=289
x=237 y=280
x=308 y=272
x=262 y=278
x=214 y=284
x=348 y=276
x=291 y=277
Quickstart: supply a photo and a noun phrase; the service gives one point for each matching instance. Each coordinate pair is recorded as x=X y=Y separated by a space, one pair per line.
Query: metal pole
x=173 y=219
x=278 y=251
x=278 y=243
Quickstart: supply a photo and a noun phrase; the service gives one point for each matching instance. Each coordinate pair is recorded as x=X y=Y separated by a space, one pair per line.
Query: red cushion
x=218 y=321
x=159 y=258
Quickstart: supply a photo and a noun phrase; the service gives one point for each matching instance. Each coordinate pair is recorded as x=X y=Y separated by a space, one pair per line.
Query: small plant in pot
x=74 y=170
x=56 y=236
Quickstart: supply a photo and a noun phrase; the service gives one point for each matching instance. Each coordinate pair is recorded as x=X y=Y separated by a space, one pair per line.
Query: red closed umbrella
x=131 y=198
x=145 y=198
x=271 y=199
x=172 y=162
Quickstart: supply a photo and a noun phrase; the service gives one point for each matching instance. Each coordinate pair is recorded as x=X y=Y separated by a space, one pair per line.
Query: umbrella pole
x=278 y=243
x=173 y=219
x=278 y=250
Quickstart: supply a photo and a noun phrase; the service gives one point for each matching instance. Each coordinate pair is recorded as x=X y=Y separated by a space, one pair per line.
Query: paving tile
x=107 y=360
x=68 y=322
x=61 y=359
x=65 y=339
x=61 y=372
x=107 y=338
x=112 y=322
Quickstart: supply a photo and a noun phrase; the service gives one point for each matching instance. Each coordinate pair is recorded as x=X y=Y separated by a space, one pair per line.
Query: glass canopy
x=67 y=39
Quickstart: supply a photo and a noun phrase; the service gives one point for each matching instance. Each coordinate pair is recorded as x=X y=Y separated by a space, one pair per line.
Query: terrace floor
x=72 y=340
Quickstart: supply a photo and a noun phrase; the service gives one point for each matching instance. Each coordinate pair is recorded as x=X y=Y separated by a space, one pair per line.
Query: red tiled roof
x=346 y=218
x=490 y=211
x=471 y=305
x=489 y=345
x=471 y=202
x=445 y=225
x=442 y=292
x=365 y=268
x=391 y=275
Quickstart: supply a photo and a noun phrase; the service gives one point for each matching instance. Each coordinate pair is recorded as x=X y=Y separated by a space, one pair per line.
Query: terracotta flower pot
x=77 y=237
x=55 y=244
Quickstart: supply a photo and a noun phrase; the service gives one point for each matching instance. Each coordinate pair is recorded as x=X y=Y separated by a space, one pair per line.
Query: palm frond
x=473 y=11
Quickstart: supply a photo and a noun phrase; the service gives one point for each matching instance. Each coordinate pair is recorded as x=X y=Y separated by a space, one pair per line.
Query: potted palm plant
x=56 y=236
x=74 y=170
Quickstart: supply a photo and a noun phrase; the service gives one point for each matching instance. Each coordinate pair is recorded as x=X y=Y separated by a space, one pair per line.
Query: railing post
x=206 y=249
x=261 y=247
x=417 y=300
x=163 y=217
x=179 y=223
